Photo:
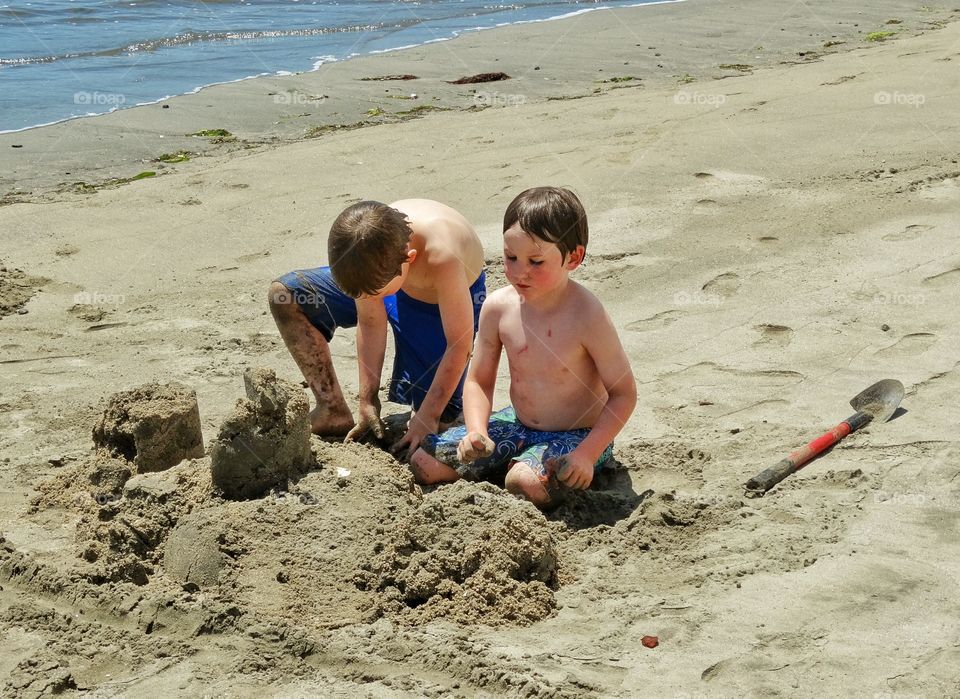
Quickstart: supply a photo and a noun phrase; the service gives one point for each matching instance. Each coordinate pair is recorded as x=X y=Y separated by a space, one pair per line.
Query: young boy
x=415 y=264
x=571 y=386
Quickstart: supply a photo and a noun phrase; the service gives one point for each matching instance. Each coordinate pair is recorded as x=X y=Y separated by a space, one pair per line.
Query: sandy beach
x=773 y=203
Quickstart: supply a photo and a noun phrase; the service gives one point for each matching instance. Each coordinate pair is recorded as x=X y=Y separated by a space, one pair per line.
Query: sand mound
x=16 y=288
x=469 y=553
x=265 y=441
x=154 y=426
x=193 y=553
x=122 y=539
x=94 y=481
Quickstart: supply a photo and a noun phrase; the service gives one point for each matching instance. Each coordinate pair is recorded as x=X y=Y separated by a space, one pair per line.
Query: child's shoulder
x=581 y=297
x=584 y=303
x=504 y=297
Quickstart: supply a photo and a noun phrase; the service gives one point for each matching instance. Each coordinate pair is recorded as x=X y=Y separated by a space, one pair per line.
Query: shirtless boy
x=416 y=265
x=571 y=385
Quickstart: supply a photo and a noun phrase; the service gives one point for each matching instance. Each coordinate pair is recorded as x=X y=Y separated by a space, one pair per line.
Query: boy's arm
x=371 y=348
x=603 y=344
x=478 y=388
x=456 y=315
x=482 y=376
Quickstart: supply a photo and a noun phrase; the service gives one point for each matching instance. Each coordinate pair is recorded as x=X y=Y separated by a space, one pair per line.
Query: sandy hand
x=474 y=446
x=368 y=422
x=570 y=471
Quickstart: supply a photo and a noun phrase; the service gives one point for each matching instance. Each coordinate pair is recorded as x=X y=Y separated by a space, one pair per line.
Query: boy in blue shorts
x=571 y=385
x=416 y=265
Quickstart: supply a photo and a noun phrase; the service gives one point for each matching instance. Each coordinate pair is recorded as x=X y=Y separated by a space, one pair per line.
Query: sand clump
x=266 y=441
x=469 y=553
x=154 y=426
x=16 y=288
x=93 y=481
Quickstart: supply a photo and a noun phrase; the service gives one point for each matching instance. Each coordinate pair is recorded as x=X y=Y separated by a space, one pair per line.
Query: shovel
x=877 y=403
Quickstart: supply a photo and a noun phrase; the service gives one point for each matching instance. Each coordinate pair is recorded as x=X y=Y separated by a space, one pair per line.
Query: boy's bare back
x=443 y=238
x=554 y=355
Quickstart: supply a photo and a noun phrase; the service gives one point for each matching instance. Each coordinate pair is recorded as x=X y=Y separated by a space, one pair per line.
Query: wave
x=191 y=37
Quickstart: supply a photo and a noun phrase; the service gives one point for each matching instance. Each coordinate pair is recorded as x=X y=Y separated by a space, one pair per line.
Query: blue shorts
x=513 y=442
x=417 y=331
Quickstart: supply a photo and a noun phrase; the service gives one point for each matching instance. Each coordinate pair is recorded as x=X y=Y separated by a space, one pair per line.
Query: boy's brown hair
x=553 y=214
x=367 y=247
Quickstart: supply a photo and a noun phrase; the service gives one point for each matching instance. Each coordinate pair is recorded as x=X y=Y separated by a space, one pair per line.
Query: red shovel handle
x=801 y=456
x=765 y=480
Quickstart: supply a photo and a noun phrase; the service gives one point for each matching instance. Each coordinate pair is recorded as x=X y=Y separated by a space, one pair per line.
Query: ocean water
x=61 y=59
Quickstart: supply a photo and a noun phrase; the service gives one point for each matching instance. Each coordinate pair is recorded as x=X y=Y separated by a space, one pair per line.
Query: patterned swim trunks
x=513 y=442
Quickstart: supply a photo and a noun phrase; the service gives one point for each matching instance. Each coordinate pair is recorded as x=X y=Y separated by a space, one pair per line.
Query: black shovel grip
x=765 y=480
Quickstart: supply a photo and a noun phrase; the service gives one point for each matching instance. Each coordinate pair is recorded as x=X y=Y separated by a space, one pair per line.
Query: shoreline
x=324 y=60
x=46 y=162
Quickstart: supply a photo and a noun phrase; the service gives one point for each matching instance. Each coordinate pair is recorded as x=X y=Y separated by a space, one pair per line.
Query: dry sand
x=769 y=244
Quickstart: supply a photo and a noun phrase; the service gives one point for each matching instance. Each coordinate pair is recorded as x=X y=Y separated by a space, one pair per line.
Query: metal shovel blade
x=880 y=401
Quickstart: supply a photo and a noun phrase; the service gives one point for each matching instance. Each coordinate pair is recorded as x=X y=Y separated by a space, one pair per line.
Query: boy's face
x=533 y=266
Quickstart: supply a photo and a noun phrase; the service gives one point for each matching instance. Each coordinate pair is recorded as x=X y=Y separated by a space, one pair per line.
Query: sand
x=768 y=240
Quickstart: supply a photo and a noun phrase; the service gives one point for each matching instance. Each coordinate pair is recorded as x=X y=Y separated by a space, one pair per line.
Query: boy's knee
x=523 y=481
x=279 y=295
x=428 y=471
x=281 y=301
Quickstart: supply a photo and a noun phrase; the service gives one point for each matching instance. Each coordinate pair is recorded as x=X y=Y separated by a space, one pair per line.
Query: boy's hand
x=474 y=446
x=368 y=420
x=572 y=470
x=418 y=428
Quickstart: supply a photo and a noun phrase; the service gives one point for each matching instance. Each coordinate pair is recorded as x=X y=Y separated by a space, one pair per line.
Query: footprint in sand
x=909 y=345
x=911 y=232
x=724 y=285
x=777 y=335
x=949 y=278
x=253 y=256
x=660 y=320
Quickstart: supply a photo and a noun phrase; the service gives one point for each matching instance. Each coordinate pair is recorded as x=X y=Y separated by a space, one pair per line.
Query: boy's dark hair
x=553 y=214
x=367 y=246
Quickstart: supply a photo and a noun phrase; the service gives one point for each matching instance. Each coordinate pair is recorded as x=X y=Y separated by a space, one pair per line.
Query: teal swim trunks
x=513 y=442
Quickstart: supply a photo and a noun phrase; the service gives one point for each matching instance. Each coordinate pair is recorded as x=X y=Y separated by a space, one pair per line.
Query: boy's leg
x=427 y=470
x=296 y=306
x=524 y=481
x=436 y=460
x=533 y=476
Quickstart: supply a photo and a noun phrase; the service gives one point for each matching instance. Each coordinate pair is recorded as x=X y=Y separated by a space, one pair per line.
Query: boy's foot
x=328 y=423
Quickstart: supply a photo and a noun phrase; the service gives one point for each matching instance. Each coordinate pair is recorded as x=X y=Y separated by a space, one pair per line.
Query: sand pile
x=16 y=288
x=470 y=553
x=125 y=491
x=266 y=440
x=154 y=426
x=123 y=538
